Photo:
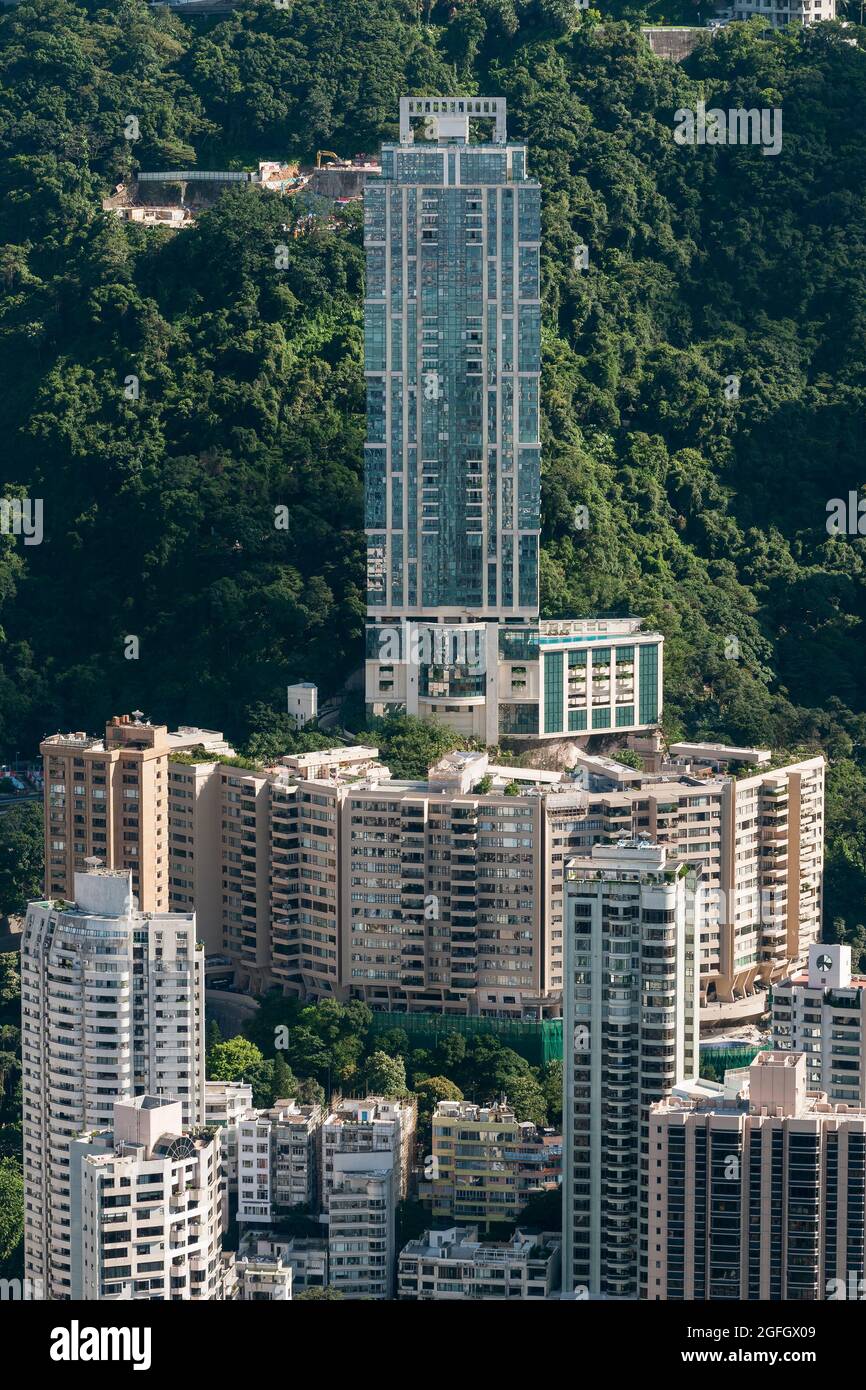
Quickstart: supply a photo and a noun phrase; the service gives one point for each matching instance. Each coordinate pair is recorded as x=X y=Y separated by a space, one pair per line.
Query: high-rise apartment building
x=112 y=1006
x=146 y=1211
x=821 y=1012
x=758 y=830
x=107 y=799
x=630 y=1033
x=452 y=232
x=758 y=1196
x=326 y=876
x=441 y=890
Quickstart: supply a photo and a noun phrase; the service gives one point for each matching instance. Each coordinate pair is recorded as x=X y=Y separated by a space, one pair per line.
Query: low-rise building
x=305 y=1256
x=779 y=13
x=485 y=1162
x=278 y=1159
x=452 y=1264
x=264 y=1279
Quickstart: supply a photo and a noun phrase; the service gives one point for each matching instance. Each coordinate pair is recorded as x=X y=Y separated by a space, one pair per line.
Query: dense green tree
x=272 y=734
x=213 y=1036
x=543 y=1211
x=10 y=987
x=284 y=1082
x=551 y=1085
x=21 y=856
x=386 y=1076
x=431 y=1090
x=410 y=745
x=233 y=1060
x=11 y=1220
x=309 y=1092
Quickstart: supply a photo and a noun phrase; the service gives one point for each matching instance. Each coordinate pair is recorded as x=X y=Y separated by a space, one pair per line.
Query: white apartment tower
x=112 y=1004
x=630 y=1033
x=277 y=1160
x=146 y=1207
x=821 y=1012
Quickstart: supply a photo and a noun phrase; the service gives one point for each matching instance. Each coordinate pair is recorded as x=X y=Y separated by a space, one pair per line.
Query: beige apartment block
x=112 y=1005
x=759 y=836
x=757 y=1196
x=441 y=890
x=484 y=1163
x=194 y=816
x=265 y=845
x=107 y=798
x=324 y=875
x=146 y=1213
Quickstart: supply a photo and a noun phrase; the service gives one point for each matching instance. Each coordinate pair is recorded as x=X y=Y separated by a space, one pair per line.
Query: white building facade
x=112 y=1004
x=146 y=1212
x=821 y=1012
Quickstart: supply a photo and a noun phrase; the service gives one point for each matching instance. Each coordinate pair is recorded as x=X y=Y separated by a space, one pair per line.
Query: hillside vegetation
x=706 y=513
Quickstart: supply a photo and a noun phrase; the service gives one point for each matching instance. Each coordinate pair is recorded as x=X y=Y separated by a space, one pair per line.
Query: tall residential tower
x=112 y=1006
x=453 y=454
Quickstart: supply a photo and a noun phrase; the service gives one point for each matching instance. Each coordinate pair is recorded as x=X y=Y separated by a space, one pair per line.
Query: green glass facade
x=648 y=689
x=453 y=363
x=553 y=692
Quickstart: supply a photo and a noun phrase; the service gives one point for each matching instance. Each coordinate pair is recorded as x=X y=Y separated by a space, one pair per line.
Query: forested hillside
x=706 y=514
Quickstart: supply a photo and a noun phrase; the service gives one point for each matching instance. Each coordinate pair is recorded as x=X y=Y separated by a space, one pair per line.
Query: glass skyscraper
x=453 y=361
x=452 y=460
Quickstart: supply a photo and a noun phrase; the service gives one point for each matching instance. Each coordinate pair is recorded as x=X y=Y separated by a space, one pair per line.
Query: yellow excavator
x=326 y=154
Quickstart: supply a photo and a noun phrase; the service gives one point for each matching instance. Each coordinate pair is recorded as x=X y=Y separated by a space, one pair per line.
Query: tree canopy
x=703 y=387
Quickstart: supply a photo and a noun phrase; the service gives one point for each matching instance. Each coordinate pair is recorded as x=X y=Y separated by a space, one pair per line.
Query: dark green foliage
x=410 y=746
x=706 y=515
x=11 y=1255
x=543 y=1211
x=11 y=1219
x=22 y=858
